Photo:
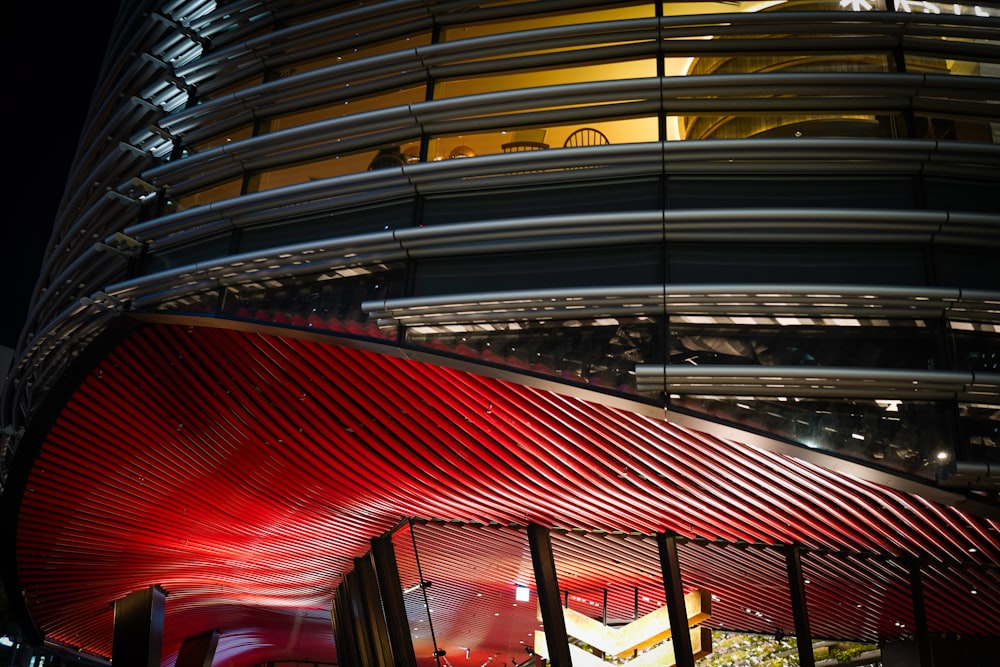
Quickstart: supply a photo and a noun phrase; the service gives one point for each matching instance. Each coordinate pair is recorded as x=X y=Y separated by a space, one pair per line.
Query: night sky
x=52 y=52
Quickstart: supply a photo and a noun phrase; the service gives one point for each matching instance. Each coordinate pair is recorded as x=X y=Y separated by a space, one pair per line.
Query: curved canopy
x=243 y=472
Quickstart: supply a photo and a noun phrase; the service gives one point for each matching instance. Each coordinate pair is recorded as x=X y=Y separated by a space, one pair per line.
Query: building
x=687 y=296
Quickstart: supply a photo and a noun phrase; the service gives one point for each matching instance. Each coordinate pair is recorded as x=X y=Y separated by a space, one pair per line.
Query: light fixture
x=522 y=593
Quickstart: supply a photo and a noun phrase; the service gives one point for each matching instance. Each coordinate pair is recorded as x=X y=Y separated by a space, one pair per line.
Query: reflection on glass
x=905 y=345
x=597 y=353
x=328 y=302
x=414 y=592
x=473 y=595
x=908 y=436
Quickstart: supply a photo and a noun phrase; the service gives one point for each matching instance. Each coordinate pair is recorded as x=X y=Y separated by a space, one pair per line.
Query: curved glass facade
x=721 y=186
x=771 y=221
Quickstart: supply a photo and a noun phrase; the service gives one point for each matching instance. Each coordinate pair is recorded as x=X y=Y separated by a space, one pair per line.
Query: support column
x=548 y=595
x=198 y=651
x=797 y=589
x=670 y=566
x=138 y=635
x=391 y=590
x=923 y=638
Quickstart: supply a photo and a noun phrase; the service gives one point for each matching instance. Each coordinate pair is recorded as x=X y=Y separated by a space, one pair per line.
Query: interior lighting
x=521 y=593
x=942 y=456
x=6 y=641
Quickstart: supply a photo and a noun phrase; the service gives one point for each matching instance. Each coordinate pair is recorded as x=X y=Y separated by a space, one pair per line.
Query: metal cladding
x=444 y=273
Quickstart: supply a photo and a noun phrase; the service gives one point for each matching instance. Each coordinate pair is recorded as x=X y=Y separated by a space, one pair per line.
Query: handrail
x=767 y=300
x=816 y=382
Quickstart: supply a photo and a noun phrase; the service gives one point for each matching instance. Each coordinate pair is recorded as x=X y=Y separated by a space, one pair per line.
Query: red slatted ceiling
x=248 y=470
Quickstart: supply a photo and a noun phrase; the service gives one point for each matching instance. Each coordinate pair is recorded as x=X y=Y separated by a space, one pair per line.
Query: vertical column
x=387 y=574
x=924 y=649
x=670 y=566
x=198 y=651
x=548 y=595
x=797 y=588
x=138 y=635
x=344 y=633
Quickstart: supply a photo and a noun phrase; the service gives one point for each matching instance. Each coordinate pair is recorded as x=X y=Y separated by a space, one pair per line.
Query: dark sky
x=52 y=53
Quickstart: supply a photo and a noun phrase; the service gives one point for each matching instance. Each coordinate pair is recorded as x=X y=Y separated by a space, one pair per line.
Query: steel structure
x=334 y=272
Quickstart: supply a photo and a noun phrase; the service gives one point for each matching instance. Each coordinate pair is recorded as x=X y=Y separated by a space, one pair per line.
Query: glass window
x=343 y=106
x=538 y=270
x=900 y=435
x=600 y=353
x=827 y=264
x=545 y=77
x=483 y=28
x=360 y=220
x=895 y=345
x=792 y=192
x=595 y=197
x=227 y=190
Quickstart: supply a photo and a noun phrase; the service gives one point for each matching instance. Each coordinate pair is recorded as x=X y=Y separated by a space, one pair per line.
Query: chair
x=387 y=158
x=586 y=136
x=526 y=140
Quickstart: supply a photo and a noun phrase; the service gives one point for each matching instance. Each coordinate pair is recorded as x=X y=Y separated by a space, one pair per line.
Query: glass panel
x=705 y=7
x=183 y=255
x=327 y=302
x=979 y=431
x=791 y=192
x=510 y=140
x=751 y=623
x=596 y=197
x=954 y=129
x=234 y=134
x=471 y=574
x=966 y=611
x=715 y=126
x=960 y=195
x=977 y=346
x=869 y=595
x=553 y=19
x=343 y=222
x=201 y=303
x=903 y=345
x=544 y=77
x=598 y=353
x=336 y=165
x=827 y=264
x=910 y=436
x=538 y=270
x=345 y=106
x=613 y=579
x=227 y=190
x=414 y=593
x=339 y=49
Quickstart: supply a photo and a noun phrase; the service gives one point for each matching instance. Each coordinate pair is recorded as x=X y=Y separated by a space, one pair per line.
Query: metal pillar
x=391 y=591
x=548 y=596
x=198 y=651
x=797 y=589
x=670 y=566
x=923 y=638
x=138 y=634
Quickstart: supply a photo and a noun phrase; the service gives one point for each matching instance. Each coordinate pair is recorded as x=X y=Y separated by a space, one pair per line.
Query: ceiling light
x=521 y=593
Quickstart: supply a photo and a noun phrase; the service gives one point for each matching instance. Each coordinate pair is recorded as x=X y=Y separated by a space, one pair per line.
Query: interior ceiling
x=243 y=472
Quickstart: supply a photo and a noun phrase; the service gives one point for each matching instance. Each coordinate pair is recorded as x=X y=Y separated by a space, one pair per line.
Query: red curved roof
x=242 y=472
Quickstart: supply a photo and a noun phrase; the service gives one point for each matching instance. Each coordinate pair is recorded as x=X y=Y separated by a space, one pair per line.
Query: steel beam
x=391 y=592
x=923 y=638
x=673 y=588
x=549 y=602
x=138 y=631
x=199 y=650
x=797 y=590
